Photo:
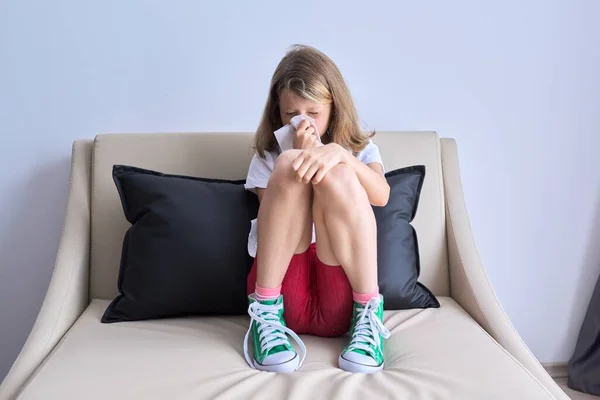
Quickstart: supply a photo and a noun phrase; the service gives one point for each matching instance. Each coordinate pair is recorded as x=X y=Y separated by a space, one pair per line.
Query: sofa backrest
x=227 y=156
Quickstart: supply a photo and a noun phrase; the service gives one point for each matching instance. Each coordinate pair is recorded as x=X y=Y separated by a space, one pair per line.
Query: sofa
x=465 y=349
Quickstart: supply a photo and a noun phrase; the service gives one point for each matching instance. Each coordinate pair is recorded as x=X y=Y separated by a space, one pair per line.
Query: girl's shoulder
x=371 y=147
x=370 y=153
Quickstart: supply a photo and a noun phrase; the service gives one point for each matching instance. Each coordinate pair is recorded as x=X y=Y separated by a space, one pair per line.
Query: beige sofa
x=466 y=349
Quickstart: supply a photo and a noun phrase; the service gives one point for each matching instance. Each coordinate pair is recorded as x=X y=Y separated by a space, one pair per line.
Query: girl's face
x=290 y=105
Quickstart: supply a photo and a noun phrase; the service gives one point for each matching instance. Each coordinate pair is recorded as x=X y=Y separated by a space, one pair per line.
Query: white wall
x=517 y=83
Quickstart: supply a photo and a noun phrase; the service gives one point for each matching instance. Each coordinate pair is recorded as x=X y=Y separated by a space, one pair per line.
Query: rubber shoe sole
x=358 y=368
x=283 y=368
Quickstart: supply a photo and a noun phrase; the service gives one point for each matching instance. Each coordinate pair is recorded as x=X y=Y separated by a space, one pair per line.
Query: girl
x=323 y=187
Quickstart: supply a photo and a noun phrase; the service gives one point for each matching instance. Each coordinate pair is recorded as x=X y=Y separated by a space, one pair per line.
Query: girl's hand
x=305 y=137
x=314 y=164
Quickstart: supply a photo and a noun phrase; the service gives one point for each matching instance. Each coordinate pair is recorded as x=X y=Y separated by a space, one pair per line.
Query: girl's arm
x=372 y=179
x=260 y=193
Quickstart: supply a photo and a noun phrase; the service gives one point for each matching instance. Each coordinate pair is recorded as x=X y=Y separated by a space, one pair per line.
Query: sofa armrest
x=469 y=283
x=67 y=294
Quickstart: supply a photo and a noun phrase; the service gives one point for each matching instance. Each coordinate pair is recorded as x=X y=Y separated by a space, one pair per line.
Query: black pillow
x=186 y=251
x=397 y=247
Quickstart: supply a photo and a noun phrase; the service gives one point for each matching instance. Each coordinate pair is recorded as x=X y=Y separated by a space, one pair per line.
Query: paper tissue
x=285 y=134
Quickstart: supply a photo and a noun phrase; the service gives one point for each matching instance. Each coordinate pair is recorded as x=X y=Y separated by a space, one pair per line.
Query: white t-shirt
x=261 y=169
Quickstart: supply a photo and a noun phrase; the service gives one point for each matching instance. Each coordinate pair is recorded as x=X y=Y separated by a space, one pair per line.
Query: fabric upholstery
x=67 y=294
x=432 y=354
x=470 y=285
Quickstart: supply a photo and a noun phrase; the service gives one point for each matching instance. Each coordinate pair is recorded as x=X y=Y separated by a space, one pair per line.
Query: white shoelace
x=368 y=328
x=271 y=331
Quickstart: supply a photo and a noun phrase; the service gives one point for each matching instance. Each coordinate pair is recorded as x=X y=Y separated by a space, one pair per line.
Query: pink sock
x=363 y=298
x=263 y=294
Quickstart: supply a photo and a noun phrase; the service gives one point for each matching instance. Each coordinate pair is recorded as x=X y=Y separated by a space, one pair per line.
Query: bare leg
x=284 y=222
x=324 y=247
x=342 y=211
x=348 y=219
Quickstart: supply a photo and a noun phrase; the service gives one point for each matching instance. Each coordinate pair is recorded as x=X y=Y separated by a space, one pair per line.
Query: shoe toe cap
x=358 y=358
x=279 y=358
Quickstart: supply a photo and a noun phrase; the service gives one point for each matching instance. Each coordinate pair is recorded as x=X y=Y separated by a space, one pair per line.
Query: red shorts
x=317 y=298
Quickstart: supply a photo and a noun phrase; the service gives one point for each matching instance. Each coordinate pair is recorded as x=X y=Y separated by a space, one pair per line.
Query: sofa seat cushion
x=432 y=354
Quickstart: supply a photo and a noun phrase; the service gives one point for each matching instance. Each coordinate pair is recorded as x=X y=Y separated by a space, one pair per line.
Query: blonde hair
x=312 y=75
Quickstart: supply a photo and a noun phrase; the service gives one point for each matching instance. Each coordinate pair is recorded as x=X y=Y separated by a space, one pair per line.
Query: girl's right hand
x=305 y=137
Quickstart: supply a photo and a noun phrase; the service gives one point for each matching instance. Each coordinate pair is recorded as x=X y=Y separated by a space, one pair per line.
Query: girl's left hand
x=314 y=164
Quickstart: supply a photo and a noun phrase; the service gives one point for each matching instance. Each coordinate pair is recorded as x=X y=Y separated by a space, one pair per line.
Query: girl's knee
x=341 y=173
x=340 y=184
x=285 y=159
x=283 y=176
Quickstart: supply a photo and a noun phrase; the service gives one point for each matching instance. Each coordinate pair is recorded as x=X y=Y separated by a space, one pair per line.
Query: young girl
x=323 y=187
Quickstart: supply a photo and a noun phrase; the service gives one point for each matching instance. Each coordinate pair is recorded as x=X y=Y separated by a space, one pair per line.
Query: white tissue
x=285 y=134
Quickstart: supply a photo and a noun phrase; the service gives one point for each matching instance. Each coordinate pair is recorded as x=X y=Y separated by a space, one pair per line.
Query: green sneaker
x=364 y=352
x=273 y=351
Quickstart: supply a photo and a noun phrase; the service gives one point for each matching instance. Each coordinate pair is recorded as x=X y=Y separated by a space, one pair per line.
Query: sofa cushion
x=432 y=354
x=398 y=261
x=185 y=248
